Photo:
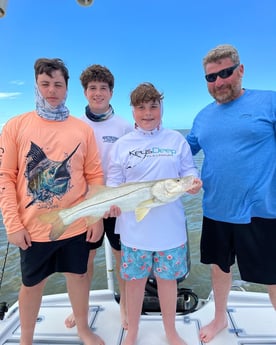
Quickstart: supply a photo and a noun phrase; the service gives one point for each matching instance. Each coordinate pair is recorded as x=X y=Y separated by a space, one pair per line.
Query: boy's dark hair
x=97 y=73
x=44 y=65
x=144 y=93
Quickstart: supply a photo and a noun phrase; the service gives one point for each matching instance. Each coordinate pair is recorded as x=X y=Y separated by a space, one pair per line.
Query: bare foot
x=175 y=339
x=70 y=321
x=91 y=338
x=208 y=332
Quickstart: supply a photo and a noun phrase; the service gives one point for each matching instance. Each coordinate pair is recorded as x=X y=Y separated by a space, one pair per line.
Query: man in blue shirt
x=237 y=135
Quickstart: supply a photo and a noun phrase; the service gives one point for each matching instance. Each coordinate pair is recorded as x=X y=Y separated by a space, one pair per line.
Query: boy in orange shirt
x=50 y=159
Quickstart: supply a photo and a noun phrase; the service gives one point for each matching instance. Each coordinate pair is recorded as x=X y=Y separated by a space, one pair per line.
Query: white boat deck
x=252 y=321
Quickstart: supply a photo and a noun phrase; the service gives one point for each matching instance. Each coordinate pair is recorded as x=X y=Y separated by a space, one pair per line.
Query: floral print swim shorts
x=167 y=264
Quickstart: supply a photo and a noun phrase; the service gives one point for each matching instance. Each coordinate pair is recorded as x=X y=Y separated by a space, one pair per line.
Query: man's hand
x=21 y=239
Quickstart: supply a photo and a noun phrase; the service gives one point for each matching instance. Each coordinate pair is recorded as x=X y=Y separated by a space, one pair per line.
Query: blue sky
x=147 y=40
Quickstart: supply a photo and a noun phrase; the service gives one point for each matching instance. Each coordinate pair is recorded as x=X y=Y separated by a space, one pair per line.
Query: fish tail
x=58 y=227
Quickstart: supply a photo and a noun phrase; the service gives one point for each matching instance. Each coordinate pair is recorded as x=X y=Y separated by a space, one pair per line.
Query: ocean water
x=198 y=279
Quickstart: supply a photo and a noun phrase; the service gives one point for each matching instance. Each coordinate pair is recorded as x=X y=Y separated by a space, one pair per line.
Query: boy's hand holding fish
x=197 y=184
x=114 y=211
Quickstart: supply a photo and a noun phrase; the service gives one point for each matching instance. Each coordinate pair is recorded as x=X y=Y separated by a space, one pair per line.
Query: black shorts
x=114 y=239
x=45 y=258
x=252 y=244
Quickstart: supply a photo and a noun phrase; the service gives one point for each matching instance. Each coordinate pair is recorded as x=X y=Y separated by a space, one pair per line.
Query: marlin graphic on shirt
x=46 y=178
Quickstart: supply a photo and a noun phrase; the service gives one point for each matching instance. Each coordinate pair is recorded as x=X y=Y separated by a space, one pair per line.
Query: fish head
x=169 y=190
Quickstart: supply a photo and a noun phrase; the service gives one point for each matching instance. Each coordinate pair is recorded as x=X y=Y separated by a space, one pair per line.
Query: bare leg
x=221 y=282
x=70 y=320
x=29 y=304
x=167 y=292
x=272 y=294
x=135 y=294
x=122 y=288
x=78 y=290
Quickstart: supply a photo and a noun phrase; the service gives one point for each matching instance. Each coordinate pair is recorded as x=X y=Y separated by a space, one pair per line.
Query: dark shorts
x=252 y=244
x=114 y=239
x=45 y=258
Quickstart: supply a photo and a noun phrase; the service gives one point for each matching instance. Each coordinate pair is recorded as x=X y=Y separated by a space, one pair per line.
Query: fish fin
x=53 y=218
x=141 y=212
x=143 y=209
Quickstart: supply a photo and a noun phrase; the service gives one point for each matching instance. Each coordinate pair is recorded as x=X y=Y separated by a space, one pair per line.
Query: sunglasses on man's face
x=224 y=73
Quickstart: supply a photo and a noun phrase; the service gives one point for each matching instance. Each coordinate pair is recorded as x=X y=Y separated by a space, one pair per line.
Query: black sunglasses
x=224 y=73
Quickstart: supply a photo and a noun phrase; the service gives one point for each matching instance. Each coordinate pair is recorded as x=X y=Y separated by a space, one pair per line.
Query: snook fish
x=138 y=196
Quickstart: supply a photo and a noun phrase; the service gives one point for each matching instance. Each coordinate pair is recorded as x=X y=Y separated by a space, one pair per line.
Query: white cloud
x=17 y=82
x=9 y=95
